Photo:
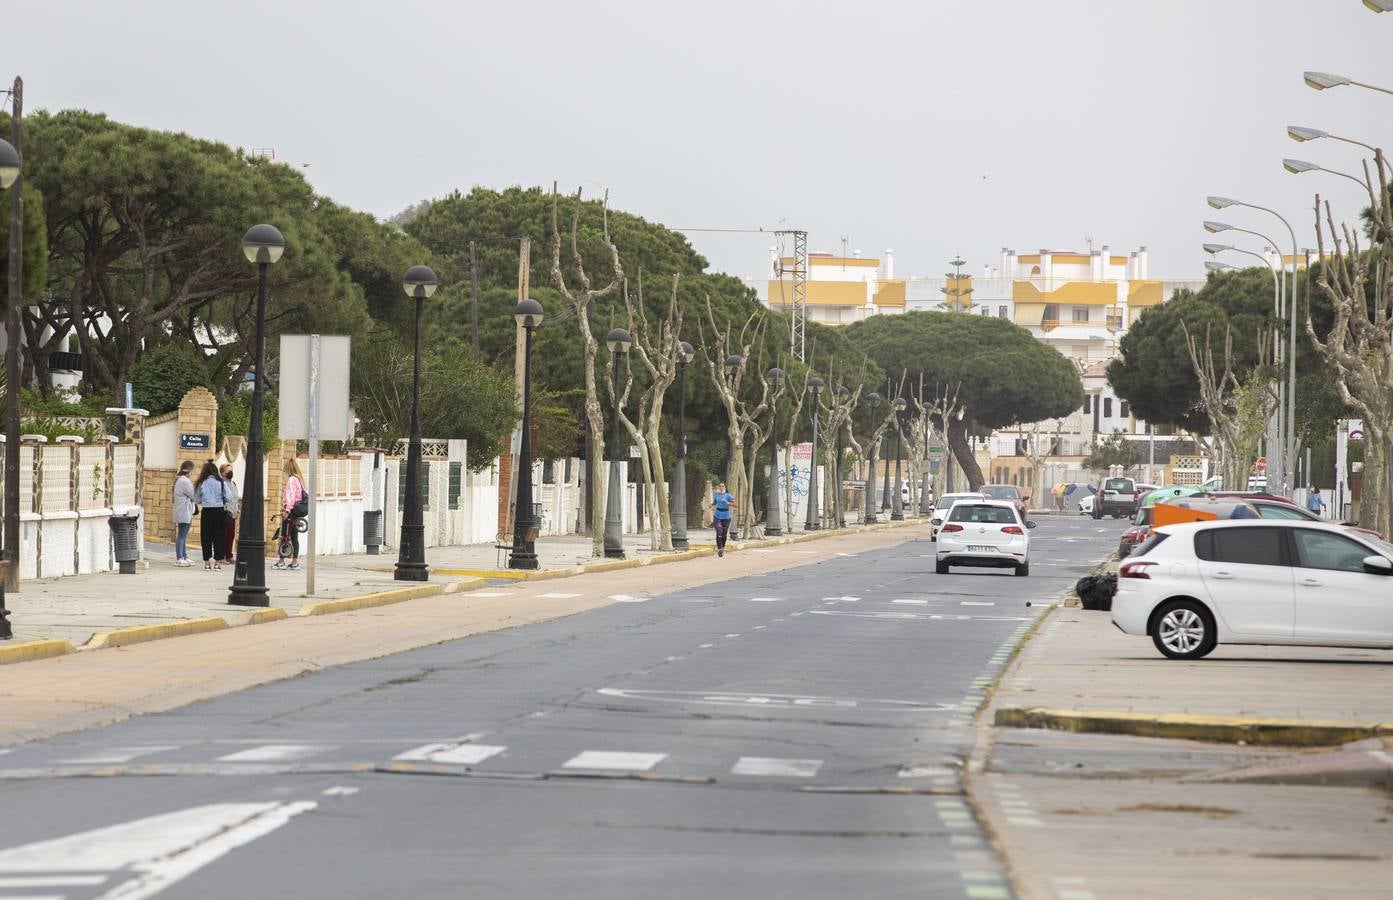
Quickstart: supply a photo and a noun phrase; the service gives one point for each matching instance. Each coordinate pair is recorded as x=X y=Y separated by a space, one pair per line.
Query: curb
x=142 y=633
x=387 y=598
x=1182 y=726
x=31 y=650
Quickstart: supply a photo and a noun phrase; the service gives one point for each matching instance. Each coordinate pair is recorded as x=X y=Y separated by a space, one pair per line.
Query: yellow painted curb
x=609 y=565
x=274 y=614
x=512 y=574
x=366 y=601
x=1182 y=726
x=31 y=650
x=140 y=634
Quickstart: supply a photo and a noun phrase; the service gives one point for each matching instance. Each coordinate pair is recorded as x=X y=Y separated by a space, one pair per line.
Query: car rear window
x=1240 y=546
x=1150 y=543
x=975 y=512
x=1118 y=484
x=1005 y=492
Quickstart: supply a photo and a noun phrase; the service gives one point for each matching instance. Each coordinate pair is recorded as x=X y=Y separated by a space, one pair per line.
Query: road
x=795 y=734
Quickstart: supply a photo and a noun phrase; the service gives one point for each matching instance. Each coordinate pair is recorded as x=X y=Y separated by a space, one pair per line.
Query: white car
x=1086 y=505
x=985 y=533
x=945 y=503
x=1256 y=581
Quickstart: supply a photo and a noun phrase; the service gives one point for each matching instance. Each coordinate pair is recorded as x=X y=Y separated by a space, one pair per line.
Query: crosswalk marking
x=614 y=760
x=915 y=602
x=626 y=598
x=276 y=753
x=775 y=766
x=45 y=881
x=116 y=755
x=451 y=754
x=557 y=596
x=977 y=603
x=764 y=599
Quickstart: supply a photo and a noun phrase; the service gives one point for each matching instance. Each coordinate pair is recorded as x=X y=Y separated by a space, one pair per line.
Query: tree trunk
x=962 y=452
x=595 y=420
x=662 y=514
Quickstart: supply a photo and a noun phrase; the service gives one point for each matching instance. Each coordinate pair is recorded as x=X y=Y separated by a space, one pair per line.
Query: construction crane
x=797 y=306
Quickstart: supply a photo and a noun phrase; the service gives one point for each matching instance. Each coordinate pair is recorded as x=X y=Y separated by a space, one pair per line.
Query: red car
x=1008 y=492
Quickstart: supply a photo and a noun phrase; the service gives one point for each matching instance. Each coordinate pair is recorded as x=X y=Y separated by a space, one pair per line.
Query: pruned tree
x=838 y=410
x=797 y=396
x=942 y=406
x=1238 y=409
x=1038 y=443
x=582 y=296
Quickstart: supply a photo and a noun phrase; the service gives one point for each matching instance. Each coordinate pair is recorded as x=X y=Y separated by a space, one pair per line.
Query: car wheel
x=1023 y=570
x=941 y=568
x=1184 y=629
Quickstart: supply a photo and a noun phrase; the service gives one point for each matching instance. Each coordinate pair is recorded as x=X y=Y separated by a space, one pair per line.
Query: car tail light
x=1012 y=529
x=1135 y=570
x=949 y=529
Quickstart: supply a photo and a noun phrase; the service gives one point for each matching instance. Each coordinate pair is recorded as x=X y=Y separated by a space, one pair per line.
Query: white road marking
x=626 y=598
x=924 y=771
x=916 y=602
x=765 y=599
x=790 y=701
x=488 y=593
x=759 y=627
x=277 y=753
x=36 y=881
x=672 y=659
x=117 y=754
x=615 y=760
x=909 y=615
x=705 y=646
x=451 y=753
x=774 y=766
x=733 y=634
x=977 y=603
x=556 y=596
x=851 y=599
x=339 y=790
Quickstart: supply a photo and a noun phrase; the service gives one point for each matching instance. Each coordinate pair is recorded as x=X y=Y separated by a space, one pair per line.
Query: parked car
x=1195 y=585
x=989 y=533
x=1086 y=504
x=945 y=503
x=1118 y=498
x=1008 y=492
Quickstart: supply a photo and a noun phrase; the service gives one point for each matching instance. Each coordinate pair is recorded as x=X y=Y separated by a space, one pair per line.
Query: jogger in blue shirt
x=722 y=501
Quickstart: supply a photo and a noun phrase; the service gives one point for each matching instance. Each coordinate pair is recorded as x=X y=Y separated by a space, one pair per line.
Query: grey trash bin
x=372 y=530
x=125 y=542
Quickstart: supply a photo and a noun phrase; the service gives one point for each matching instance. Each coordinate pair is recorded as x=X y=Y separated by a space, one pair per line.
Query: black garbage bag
x=1096 y=591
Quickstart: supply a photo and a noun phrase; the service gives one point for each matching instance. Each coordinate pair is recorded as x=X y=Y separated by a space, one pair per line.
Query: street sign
x=1355 y=429
x=195 y=442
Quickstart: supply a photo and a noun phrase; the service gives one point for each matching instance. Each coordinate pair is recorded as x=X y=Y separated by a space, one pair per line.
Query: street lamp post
x=262 y=245
x=924 y=507
x=9 y=173
x=419 y=283
x=772 y=514
x=839 y=452
x=810 y=522
x=524 y=553
x=873 y=401
x=897 y=503
x=677 y=511
x=617 y=341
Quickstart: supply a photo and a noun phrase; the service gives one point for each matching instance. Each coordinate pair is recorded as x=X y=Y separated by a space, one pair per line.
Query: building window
x=1087 y=403
x=1126 y=411
x=1107 y=407
x=456 y=473
x=1001 y=312
x=1081 y=314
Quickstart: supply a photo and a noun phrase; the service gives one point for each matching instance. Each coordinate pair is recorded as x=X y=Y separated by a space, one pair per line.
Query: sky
x=933 y=127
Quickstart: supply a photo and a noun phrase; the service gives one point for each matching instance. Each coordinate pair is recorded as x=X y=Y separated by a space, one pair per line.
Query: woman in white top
x=184 y=502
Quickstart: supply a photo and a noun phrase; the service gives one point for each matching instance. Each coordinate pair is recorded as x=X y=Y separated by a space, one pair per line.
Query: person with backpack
x=721 y=517
x=185 y=502
x=212 y=521
x=295 y=504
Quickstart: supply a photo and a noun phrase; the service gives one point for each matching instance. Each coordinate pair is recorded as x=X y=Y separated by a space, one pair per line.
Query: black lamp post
x=772 y=514
x=897 y=503
x=924 y=489
x=525 y=524
x=262 y=245
x=810 y=522
x=617 y=341
x=677 y=508
x=839 y=451
x=9 y=173
x=419 y=282
x=874 y=402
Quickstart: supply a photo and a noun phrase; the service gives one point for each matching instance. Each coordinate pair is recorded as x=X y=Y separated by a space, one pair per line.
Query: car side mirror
x=1031 y=524
x=1378 y=565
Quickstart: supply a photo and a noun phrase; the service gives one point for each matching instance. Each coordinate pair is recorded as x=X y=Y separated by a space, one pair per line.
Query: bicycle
x=285 y=549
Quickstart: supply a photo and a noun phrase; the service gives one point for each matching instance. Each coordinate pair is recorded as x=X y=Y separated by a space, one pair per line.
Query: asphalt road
x=796 y=734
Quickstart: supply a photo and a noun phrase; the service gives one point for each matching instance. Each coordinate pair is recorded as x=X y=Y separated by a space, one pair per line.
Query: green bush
x=235 y=416
x=163 y=375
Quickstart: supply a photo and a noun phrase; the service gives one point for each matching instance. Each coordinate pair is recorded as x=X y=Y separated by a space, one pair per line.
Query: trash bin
x=372 y=530
x=125 y=541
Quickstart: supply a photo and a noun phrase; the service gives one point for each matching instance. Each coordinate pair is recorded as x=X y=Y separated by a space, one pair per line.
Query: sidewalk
x=77 y=608
x=1084 y=816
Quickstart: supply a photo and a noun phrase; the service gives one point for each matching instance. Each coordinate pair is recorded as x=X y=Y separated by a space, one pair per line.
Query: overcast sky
x=933 y=127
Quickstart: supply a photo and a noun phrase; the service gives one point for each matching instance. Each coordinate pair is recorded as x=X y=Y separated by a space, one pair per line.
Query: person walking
x=294 y=505
x=212 y=520
x=1315 y=501
x=233 y=506
x=185 y=499
x=721 y=517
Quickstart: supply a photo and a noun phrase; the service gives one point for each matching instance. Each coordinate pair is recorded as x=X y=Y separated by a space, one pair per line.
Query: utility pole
x=474 y=296
x=13 y=369
x=519 y=360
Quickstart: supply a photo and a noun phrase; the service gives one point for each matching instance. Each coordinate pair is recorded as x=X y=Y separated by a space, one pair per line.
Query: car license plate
x=980 y=548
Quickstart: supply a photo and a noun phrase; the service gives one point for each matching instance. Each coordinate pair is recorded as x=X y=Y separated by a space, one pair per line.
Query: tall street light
x=9 y=173
x=419 y=283
x=1288 y=441
x=1300 y=166
x=525 y=525
x=1301 y=134
x=1379 y=6
x=1322 y=80
x=873 y=401
x=677 y=510
x=842 y=394
x=810 y=523
x=772 y=514
x=262 y=245
x=618 y=342
x=897 y=504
